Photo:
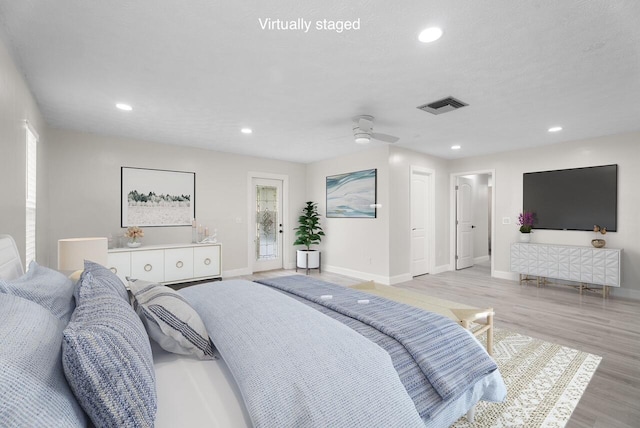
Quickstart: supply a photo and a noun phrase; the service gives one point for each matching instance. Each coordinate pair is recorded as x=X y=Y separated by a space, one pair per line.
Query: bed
x=280 y=359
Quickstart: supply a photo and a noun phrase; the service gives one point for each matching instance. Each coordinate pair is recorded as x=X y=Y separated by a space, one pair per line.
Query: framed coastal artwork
x=352 y=195
x=156 y=197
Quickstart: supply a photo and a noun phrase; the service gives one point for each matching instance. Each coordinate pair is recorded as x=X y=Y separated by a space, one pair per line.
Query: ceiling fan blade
x=386 y=138
x=365 y=124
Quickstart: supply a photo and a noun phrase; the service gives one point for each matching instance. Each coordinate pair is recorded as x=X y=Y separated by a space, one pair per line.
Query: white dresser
x=167 y=264
x=586 y=265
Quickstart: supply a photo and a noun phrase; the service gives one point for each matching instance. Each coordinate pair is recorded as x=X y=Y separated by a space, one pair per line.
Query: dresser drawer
x=178 y=264
x=206 y=261
x=148 y=265
x=120 y=264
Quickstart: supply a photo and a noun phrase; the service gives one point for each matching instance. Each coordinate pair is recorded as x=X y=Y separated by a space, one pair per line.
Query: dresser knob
x=207 y=261
x=148 y=267
x=114 y=270
x=179 y=264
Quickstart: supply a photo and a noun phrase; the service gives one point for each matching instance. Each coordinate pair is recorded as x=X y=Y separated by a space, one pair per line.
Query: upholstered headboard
x=10 y=264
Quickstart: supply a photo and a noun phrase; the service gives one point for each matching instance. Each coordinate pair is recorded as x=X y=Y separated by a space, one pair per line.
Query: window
x=30 y=241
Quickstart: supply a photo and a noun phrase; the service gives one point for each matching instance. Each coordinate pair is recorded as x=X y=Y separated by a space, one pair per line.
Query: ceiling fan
x=363 y=131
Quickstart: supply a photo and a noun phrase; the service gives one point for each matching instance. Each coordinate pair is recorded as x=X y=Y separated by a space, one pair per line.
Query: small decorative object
x=134 y=233
x=308 y=233
x=194 y=231
x=526 y=221
x=599 y=242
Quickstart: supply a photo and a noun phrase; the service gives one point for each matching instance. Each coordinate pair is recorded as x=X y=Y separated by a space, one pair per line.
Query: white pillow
x=170 y=320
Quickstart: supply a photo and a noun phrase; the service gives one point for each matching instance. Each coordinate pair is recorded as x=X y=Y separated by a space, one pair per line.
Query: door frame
x=251 y=175
x=431 y=221
x=453 y=213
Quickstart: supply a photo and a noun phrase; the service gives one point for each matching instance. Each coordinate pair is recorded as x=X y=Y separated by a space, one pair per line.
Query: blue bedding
x=296 y=367
x=436 y=359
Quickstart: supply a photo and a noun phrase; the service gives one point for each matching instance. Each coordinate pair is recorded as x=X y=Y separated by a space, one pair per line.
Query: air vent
x=442 y=106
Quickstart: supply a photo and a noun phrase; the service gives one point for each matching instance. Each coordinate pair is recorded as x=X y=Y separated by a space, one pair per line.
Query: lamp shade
x=72 y=252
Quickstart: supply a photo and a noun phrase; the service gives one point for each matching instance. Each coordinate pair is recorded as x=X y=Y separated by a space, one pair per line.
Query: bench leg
x=471 y=414
x=490 y=334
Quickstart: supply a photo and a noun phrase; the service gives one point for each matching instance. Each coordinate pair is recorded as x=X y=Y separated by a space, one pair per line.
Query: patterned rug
x=544 y=382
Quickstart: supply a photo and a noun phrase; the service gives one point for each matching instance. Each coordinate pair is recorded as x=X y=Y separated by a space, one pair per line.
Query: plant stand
x=307 y=264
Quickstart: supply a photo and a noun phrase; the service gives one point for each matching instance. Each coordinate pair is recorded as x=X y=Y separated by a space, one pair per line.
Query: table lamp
x=72 y=252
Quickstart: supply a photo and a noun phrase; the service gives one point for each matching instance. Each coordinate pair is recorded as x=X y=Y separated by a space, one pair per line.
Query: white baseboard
x=365 y=276
x=397 y=279
x=441 y=268
x=236 y=272
x=511 y=276
x=481 y=259
x=625 y=293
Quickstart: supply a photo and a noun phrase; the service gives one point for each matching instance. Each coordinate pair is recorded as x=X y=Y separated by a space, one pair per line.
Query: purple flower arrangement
x=526 y=221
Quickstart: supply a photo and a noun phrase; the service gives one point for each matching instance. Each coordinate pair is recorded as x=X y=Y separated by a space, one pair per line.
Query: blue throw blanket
x=296 y=367
x=448 y=356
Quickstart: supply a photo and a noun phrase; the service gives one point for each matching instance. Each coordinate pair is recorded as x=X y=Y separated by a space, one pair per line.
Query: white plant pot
x=525 y=237
x=313 y=258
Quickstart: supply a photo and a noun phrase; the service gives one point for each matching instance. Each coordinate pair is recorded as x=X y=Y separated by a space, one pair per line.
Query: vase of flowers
x=134 y=233
x=526 y=221
x=599 y=242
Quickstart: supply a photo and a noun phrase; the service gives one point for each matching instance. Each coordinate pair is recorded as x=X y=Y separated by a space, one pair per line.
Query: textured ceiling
x=196 y=72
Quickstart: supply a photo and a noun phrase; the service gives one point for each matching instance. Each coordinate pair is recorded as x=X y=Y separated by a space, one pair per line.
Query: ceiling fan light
x=363 y=140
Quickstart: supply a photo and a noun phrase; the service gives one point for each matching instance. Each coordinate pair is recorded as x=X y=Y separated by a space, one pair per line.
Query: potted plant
x=308 y=233
x=526 y=221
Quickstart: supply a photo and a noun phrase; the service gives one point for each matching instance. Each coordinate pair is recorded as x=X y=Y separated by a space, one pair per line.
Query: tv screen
x=573 y=199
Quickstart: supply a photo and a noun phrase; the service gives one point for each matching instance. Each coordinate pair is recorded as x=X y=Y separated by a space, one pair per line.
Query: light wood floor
x=609 y=328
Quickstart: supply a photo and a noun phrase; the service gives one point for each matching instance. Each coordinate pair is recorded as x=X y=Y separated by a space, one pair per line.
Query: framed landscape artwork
x=155 y=197
x=352 y=195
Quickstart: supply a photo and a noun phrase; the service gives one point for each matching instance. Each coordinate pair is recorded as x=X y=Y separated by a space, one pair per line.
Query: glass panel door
x=268 y=224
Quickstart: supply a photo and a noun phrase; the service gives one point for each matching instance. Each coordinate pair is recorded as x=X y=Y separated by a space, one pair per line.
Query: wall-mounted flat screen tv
x=573 y=199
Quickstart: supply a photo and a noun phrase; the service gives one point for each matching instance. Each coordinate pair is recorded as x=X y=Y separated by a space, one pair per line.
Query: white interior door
x=464 y=223
x=267 y=218
x=420 y=197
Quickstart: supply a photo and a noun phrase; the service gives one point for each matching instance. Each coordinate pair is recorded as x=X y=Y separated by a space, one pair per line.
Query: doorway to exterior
x=266 y=223
x=473 y=219
x=422 y=220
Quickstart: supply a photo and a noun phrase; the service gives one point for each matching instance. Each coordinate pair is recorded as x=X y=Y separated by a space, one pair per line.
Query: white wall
x=85 y=191
x=623 y=150
x=17 y=105
x=354 y=246
x=400 y=163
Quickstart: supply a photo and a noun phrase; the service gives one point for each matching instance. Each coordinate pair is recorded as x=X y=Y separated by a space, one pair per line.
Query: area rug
x=544 y=382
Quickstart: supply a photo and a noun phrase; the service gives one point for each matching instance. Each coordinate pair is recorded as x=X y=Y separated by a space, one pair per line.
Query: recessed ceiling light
x=555 y=129
x=456 y=147
x=430 y=34
x=246 y=130
x=125 y=107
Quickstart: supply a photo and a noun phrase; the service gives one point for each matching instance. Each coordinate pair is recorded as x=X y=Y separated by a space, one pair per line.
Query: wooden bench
x=476 y=320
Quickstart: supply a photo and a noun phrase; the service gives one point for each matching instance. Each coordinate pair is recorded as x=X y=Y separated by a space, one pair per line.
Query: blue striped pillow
x=107 y=358
x=46 y=287
x=33 y=389
x=170 y=320
x=106 y=278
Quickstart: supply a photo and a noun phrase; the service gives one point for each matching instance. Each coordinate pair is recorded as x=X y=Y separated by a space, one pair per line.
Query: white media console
x=585 y=265
x=167 y=264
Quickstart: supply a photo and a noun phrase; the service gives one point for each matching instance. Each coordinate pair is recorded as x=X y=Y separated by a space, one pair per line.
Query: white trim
x=511 y=276
x=431 y=227
x=452 y=211
x=480 y=259
x=285 y=215
x=442 y=268
x=235 y=272
x=625 y=293
x=364 y=276
x=397 y=279
x=30 y=127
